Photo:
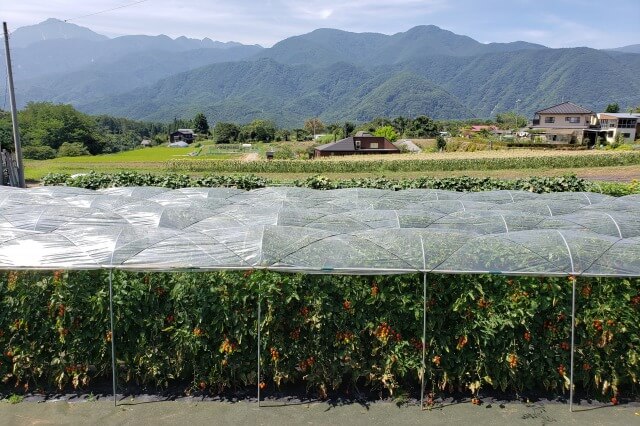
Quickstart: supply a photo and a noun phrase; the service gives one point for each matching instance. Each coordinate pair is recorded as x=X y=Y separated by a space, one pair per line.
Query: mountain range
x=333 y=74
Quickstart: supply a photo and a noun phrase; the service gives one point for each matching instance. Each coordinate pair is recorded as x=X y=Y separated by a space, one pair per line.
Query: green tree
x=300 y=134
x=387 y=132
x=613 y=108
x=283 y=135
x=51 y=125
x=334 y=129
x=225 y=132
x=510 y=120
x=348 y=128
x=422 y=127
x=314 y=126
x=259 y=130
x=441 y=143
x=400 y=124
x=200 y=124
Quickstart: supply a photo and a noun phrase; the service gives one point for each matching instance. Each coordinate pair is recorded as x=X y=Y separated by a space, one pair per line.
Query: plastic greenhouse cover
x=344 y=231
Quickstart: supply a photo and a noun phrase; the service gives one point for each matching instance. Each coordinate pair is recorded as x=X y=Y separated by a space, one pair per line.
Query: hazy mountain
x=242 y=91
x=80 y=47
x=493 y=83
x=328 y=45
x=333 y=74
x=51 y=29
x=105 y=77
x=632 y=48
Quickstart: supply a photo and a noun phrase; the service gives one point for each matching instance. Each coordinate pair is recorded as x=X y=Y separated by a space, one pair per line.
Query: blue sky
x=554 y=23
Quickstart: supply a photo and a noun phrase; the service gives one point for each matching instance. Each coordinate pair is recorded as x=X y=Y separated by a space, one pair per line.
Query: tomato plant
x=324 y=331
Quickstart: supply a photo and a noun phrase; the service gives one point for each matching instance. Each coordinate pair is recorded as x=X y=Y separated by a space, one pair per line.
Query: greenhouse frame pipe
x=113 y=340
x=424 y=337
x=259 y=341
x=573 y=332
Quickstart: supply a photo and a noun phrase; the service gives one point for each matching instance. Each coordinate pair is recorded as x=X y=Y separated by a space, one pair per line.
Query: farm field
x=613 y=174
x=595 y=165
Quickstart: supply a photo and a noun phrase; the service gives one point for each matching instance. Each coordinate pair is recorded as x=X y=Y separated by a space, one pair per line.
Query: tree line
x=49 y=130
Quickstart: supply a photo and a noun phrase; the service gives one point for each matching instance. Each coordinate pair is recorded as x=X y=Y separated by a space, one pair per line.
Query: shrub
x=75 y=149
x=38 y=152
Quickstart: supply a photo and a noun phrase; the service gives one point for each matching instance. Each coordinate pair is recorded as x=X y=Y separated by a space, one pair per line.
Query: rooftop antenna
x=14 y=113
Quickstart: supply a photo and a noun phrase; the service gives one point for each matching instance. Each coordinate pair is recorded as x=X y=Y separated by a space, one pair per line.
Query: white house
x=613 y=124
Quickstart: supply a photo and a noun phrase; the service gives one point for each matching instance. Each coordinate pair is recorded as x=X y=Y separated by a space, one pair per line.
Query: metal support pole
x=424 y=337
x=259 y=342
x=14 y=113
x=113 y=338
x=573 y=332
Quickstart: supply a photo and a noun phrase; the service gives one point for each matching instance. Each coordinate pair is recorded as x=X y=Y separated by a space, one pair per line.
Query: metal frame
x=259 y=339
x=113 y=338
x=424 y=337
x=573 y=332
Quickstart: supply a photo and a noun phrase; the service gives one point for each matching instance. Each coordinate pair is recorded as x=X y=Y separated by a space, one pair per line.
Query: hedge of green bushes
x=94 y=180
x=326 y=332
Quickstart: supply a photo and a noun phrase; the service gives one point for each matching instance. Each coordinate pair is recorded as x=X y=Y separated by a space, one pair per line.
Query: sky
x=553 y=23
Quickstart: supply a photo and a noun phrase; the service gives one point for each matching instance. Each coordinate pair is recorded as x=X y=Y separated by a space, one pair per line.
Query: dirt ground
x=191 y=411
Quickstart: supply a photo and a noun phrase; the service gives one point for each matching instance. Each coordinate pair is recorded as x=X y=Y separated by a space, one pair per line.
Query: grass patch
x=143 y=160
x=15 y=399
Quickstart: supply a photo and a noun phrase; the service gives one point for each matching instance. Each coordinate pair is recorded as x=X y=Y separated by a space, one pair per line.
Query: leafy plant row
x=402 y=165
x=326 y=332
x=94 y=180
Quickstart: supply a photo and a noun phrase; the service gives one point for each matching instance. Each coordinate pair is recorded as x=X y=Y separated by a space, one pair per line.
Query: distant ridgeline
x=330 y=74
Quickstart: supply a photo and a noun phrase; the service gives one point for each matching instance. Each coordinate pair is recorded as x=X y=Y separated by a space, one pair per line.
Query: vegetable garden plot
x=345 y=231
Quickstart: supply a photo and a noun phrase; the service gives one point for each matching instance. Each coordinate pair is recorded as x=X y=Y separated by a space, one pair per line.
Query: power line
x=106 y=10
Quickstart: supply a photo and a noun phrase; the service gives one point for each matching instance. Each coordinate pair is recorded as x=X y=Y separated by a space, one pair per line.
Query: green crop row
x=326 y=332
x=396 y=165
x=462 y=183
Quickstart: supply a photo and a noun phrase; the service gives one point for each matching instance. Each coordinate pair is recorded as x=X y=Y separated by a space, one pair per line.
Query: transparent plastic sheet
x=344 y=231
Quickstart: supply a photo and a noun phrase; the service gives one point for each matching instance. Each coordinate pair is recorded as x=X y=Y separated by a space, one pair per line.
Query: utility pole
x=14 y=112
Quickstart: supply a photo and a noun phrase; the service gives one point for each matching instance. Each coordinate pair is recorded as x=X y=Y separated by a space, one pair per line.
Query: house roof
x=362 y=133
x=565 y=108
x=615 y=115
x=348 y=145
x=185 y=131
x=345 y=144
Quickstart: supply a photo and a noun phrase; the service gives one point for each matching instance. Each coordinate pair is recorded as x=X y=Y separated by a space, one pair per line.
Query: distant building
x=562 y=122
x=608 y=125
x=145 y=143
x=182 y=135
x=361 y=143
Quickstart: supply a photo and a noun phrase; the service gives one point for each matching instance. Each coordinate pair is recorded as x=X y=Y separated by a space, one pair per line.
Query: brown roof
x=348 y=145
x=341 y=145
x=565 y=108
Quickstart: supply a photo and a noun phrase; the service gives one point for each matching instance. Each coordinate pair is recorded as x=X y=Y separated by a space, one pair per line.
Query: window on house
x=572 y=119
x=358 y=144
x=610 y=134
x=374 y=145
x=626 y=135
x=549 y=119
x=626 y=123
